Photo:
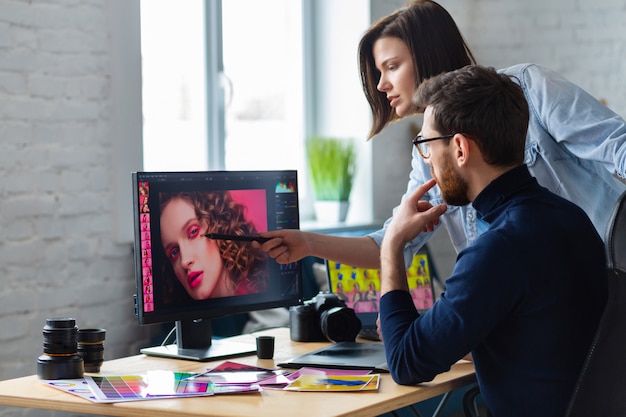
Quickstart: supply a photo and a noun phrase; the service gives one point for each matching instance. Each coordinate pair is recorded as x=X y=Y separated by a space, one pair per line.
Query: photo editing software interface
x=195 y=254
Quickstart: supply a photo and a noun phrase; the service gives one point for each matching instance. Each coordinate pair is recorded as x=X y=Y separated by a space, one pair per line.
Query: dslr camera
x=322 y=318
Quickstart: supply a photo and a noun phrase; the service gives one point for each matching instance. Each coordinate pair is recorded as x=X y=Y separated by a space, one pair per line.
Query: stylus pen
x=218 y=236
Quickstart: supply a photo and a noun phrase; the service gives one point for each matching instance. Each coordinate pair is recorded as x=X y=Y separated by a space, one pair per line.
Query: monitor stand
x=194 y=342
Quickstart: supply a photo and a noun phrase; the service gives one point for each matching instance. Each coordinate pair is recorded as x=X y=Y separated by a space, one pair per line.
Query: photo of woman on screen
x=202 y=267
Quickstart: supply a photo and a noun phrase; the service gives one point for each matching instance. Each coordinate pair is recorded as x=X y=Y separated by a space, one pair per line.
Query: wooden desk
x=29 y=392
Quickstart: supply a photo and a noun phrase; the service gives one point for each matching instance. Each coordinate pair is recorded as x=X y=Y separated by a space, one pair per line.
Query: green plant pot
x=331 y=163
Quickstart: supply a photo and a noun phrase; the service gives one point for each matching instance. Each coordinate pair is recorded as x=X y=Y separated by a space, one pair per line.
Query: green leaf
x=331 y=163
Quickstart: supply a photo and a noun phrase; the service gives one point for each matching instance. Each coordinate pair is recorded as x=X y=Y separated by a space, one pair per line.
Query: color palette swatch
x=120 y=388
x=155 y=384
x=73 y=386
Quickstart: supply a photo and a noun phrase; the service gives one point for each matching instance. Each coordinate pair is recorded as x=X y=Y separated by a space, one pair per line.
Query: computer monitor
x=360 y=289
x=194 y=257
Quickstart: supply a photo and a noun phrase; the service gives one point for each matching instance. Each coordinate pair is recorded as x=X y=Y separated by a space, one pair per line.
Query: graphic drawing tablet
x=343 y=355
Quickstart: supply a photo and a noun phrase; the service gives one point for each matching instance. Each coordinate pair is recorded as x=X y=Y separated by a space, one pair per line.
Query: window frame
x=214 y=66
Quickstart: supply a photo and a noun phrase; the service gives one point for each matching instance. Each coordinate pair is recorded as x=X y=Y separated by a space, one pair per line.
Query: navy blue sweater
x=525 y=299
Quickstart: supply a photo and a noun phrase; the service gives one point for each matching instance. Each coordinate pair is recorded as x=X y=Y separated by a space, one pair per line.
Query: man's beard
x=453 y=187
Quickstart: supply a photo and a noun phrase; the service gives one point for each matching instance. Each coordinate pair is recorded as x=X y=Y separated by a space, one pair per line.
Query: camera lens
x=60 y=336
x=340 y=324
x=91 y=348
x=60 y=347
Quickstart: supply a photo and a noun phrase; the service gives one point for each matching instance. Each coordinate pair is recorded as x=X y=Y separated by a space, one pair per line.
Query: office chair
x=470 y=402
x=601 y=385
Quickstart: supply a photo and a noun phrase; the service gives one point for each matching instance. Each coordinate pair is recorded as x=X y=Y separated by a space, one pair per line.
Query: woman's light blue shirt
x=574 y=147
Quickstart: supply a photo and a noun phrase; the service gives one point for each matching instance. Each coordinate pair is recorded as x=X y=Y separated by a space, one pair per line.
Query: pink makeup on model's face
x=196 y=260
x=397 y=74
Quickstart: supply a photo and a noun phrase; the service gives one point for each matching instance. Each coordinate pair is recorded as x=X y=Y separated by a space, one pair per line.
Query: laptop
x=360 y=289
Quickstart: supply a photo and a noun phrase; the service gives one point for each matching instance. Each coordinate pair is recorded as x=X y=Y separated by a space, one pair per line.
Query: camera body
x=322 y=318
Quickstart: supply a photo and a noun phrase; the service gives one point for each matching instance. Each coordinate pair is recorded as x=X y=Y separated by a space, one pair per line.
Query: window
x=264 y=98
x=243 y=75
x=173 y=86
x=239 y=85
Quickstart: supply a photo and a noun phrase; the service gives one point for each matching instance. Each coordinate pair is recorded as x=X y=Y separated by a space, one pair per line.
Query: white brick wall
x=584 y=41
x=58 y=255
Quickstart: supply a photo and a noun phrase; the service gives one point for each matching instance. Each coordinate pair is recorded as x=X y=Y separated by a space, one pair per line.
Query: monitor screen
x=360 y=287
x=195 y=257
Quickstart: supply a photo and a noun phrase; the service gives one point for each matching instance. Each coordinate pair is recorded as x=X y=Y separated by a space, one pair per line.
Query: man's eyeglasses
x=422 y=144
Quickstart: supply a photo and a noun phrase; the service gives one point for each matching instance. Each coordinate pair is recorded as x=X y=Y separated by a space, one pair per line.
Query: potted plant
x=331 y=163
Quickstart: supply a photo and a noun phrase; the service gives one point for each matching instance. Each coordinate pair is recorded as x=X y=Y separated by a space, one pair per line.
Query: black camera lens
x=91 y=348
x=60 y=347
x=60 y=336
x=340 y=324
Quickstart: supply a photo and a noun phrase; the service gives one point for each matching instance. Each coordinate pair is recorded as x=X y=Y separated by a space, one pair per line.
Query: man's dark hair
x=483 y=104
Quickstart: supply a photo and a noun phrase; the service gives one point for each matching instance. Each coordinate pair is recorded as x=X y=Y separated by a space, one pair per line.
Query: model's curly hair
x=221 y=214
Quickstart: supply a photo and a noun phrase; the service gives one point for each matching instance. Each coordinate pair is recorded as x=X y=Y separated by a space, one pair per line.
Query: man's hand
x=414 y=216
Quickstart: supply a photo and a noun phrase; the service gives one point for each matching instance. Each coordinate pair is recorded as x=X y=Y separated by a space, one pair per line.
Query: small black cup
x=265 y=347
x=91 y=348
